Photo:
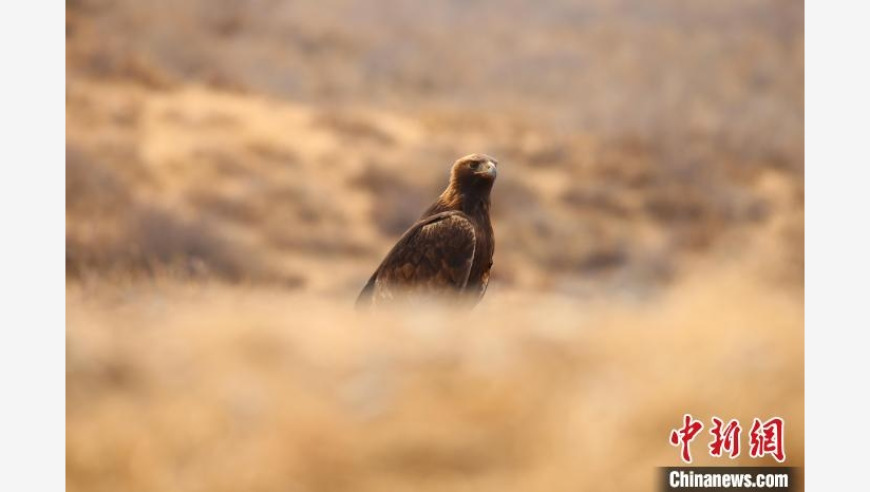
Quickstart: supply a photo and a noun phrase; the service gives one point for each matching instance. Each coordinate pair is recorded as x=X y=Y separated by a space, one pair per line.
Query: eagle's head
x=474 y=172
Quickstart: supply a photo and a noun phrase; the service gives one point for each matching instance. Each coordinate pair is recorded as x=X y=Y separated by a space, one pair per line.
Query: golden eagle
x=448 y=251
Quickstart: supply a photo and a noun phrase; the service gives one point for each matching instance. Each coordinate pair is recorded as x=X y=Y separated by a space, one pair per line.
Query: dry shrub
x=195 y=246
x=596 y=199
x=155 y=241
x=110 y=231
x=91 y=188
x=398 y=202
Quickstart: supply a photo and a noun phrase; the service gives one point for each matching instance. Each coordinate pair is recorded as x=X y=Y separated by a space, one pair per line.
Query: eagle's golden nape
x=448 y=252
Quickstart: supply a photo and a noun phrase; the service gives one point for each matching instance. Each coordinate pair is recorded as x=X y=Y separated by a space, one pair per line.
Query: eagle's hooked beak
x=489 y=169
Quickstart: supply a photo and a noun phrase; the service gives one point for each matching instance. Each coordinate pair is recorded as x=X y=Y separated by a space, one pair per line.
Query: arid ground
x=236 y=170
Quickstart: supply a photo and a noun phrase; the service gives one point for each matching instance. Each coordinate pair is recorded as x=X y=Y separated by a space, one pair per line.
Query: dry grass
x=207 y=178
x=236 y=169
x=191 y=388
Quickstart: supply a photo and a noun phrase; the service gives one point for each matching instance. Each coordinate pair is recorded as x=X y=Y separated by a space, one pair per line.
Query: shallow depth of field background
x=236 y=170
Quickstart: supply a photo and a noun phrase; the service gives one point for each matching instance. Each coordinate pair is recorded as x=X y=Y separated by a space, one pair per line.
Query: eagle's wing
x=434 y=256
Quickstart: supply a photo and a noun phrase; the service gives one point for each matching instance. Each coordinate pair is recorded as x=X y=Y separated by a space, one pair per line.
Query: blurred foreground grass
x=193 y=387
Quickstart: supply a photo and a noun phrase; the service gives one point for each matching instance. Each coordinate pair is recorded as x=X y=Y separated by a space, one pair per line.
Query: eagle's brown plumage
x=448 y=251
